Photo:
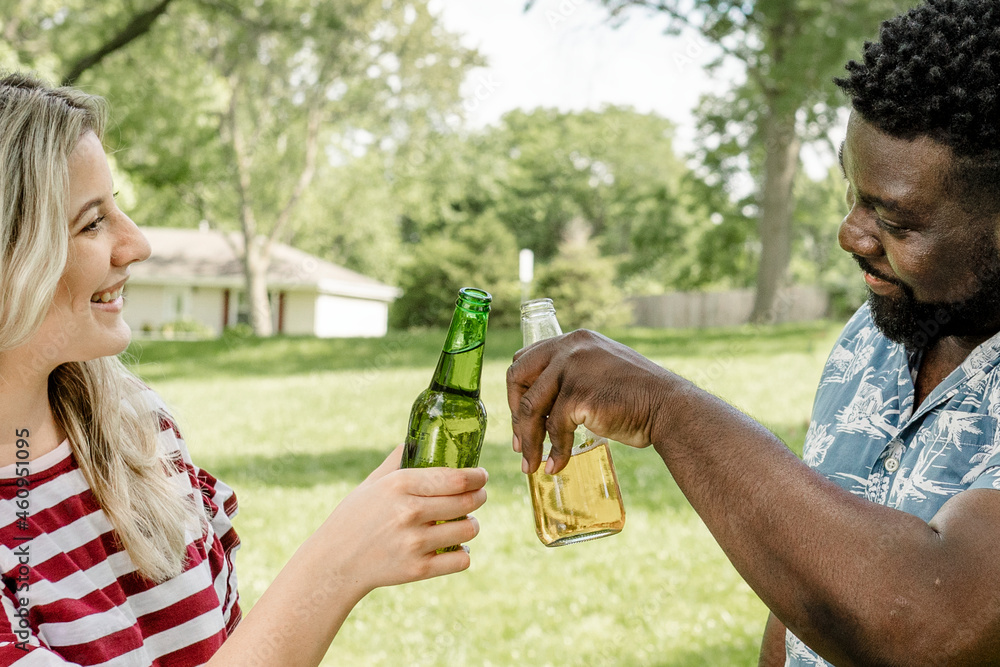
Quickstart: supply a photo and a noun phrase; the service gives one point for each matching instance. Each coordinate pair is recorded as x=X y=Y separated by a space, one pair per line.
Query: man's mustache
x=869 y=269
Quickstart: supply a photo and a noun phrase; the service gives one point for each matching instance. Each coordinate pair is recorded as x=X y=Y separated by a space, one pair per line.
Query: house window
x=177 y=304
x=242 y=308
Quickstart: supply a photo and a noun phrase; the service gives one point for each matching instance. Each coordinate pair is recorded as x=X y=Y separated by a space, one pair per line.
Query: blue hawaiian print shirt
x=866 y=436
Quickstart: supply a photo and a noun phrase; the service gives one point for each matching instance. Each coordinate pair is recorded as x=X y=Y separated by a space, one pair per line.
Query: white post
x=526 y=271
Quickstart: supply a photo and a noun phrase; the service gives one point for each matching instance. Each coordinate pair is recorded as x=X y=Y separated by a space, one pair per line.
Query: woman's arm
x=383 y=533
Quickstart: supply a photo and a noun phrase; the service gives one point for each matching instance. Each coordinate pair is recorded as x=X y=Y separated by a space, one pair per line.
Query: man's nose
x=859 y=236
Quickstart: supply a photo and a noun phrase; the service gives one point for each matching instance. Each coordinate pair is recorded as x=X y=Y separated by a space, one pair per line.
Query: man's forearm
x=808 y=548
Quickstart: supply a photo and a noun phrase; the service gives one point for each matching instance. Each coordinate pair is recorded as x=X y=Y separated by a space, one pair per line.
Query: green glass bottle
x=448 y=420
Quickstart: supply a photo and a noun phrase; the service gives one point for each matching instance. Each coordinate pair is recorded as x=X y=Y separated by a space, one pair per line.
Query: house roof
x=209 y=258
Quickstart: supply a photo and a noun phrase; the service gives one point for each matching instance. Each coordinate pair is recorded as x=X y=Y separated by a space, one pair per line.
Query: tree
x=479 y=254
x=580 y=282
x=790 y=50
x=138 y=25
x=34 y=34
x=540 y=174
x=606 y=167
x=231 y=114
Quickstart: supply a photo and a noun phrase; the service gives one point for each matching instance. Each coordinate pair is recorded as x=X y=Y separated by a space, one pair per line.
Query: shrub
x=580 y=283
x=186 y=328
x=482 y=255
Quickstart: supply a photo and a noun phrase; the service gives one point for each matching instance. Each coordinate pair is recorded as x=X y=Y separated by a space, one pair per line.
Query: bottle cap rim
x=474 y=298
x=536 y=305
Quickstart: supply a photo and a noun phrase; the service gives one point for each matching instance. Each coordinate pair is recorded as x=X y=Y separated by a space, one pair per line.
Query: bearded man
x=882 y=546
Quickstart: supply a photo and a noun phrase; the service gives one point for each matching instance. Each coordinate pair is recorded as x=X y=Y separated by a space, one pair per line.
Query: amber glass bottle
x=583 y=500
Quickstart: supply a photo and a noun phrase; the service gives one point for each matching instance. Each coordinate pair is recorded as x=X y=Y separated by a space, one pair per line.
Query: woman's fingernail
x=549 y=465
x=517 y=445
x=524 y=466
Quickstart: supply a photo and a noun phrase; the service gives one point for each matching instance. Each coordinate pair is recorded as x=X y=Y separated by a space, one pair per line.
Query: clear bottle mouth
x=537 y=306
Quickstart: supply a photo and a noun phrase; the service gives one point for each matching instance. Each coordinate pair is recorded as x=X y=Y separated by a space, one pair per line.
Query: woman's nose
x=131 y=245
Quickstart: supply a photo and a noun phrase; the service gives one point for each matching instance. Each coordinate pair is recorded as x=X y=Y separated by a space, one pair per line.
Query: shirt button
x=891 y=465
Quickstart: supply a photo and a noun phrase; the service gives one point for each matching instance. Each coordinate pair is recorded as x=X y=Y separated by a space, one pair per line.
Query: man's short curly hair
x=935 y=71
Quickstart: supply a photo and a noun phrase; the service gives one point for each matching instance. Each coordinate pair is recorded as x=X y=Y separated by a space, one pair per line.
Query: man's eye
x=894 y=230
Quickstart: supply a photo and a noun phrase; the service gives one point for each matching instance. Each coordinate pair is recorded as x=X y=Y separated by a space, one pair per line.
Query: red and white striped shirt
x=72 y=596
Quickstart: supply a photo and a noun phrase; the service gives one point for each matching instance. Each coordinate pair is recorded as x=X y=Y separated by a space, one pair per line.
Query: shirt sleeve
x=988 y=479
x=985 y=459
x=19 y=647
x=220 y=504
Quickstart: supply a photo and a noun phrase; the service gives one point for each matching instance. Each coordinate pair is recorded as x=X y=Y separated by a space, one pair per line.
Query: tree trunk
x=777 y=204
x=256 y=249
x=257 y=260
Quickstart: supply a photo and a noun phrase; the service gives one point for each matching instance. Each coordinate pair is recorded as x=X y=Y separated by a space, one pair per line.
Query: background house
x=195 y=274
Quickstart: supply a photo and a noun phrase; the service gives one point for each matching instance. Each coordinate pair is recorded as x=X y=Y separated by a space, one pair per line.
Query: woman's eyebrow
x=93 y=203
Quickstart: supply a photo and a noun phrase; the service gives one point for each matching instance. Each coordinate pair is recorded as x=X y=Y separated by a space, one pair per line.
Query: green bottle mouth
x=474 y=300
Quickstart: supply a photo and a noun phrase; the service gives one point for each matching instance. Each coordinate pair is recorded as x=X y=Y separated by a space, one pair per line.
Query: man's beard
x=920 y=324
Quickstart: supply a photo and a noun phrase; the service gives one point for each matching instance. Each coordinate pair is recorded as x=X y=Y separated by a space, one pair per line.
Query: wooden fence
x=678 y=310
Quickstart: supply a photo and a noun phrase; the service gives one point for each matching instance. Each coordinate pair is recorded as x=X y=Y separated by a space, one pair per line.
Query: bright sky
x=565 y=54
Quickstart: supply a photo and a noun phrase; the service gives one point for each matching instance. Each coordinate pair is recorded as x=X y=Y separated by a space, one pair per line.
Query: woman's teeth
x=107 y=296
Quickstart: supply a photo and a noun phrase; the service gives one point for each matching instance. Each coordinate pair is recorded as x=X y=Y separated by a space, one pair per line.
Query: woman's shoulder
x=175 y=450
x=144 y=398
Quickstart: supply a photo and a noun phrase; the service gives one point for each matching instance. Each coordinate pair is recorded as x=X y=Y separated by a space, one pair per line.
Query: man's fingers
x=528 y=364
x=528 y=419
x=519 y=379
x=561 y=428
x=519 y=353
x=524 y=370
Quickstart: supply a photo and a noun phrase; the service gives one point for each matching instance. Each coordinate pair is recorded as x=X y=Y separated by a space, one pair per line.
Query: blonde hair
x=112 y=429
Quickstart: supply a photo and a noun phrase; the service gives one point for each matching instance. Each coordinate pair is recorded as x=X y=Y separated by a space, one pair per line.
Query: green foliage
x=479 y=254
x=610 y=167
x=446 y=179
x=526 y=181
x=538 y=173
x=351 y=220
x=790 y=51
x=581 y=285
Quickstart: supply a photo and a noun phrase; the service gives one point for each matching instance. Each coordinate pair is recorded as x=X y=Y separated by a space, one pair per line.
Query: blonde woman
x=115 y=549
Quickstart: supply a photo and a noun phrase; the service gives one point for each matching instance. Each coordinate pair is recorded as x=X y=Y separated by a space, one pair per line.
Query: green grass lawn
x=293 y=424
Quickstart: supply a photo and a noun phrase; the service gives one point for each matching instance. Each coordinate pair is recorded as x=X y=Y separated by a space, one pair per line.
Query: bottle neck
x=459 y=372
x=538 y=321
x=460 y=366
